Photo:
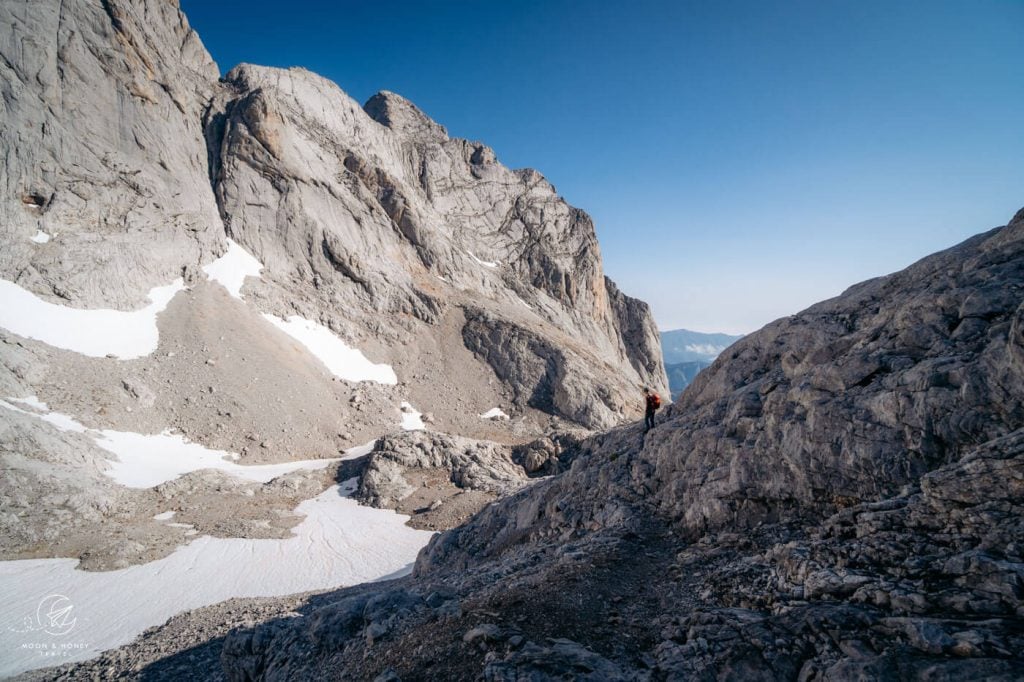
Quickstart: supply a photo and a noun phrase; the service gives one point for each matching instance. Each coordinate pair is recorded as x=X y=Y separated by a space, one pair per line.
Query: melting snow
x=232 y=268
x=144 y=461
x=494 y=413
x=485 y=263
x=338 y=543
x=31 y=401
x=411 y=419
x=40 y=237
x=342 y=361
x=97 y=333
x=359 y=450
x=61 y=421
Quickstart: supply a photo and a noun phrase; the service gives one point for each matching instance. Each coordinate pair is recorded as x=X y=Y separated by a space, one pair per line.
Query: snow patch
x=231 y=269
x=61 y=421
x=485 y=263
x=144 y=461
x=411 y=419
x=97 y=332
x=165 y=516
x=359 y=450
x=339 y=543
x=494 y=413
x=342 y=361
x=31 y=401
x=40 y=237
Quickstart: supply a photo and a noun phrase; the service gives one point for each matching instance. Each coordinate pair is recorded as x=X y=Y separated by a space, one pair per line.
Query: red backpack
x=655 y=400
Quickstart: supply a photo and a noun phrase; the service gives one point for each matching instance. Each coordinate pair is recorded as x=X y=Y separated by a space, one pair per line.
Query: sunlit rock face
x=375 y=213
x=263 y=267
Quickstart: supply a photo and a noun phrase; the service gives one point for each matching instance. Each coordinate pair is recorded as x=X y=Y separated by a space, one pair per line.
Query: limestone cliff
x=129 y=163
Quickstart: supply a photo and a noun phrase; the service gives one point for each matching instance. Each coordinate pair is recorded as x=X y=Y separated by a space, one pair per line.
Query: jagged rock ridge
x=377 y=212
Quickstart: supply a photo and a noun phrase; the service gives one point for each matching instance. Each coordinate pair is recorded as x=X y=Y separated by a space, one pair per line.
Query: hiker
x=651 y=403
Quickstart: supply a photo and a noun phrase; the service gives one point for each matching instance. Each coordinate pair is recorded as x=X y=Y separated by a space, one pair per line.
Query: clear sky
x=741 y=159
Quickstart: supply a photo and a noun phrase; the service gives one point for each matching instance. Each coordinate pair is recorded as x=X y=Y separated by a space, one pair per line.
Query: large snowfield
x=54 y=613
x=339 y=543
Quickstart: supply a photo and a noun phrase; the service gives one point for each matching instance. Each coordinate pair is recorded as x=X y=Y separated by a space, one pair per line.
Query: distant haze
x=687 y=353
x=741 y=159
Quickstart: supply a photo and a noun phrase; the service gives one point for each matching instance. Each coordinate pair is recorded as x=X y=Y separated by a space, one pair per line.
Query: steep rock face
x=127 y=164
x=103 y=149
x=378 y=212
x=837 y=498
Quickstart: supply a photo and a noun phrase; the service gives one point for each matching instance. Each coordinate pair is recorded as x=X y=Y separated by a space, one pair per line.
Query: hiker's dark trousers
x=649 y=420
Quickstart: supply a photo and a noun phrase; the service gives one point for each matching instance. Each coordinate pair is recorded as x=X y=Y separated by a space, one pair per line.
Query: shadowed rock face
x=838 y=497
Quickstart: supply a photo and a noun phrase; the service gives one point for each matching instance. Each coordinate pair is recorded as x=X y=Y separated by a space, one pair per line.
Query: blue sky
x=741 y=159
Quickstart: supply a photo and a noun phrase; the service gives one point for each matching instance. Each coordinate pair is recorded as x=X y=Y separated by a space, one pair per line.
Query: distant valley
x=687 y=352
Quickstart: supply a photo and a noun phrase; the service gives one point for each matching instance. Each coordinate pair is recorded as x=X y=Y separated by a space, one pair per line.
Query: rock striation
x=375 y=219
x=103 y=150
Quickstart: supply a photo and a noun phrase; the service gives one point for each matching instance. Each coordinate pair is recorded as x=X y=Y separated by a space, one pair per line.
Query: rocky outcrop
x=854 y=397
x=838 y=497
x=465 y=463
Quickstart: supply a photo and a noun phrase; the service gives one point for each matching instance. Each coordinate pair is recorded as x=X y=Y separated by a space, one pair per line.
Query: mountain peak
x=399 y=114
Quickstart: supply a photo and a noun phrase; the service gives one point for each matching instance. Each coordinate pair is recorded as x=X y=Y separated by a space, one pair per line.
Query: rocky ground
x=186 y=647
x=891 y=551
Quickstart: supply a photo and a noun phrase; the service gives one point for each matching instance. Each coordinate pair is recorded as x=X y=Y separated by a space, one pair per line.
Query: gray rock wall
x=103 y=149
x=377 y=211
